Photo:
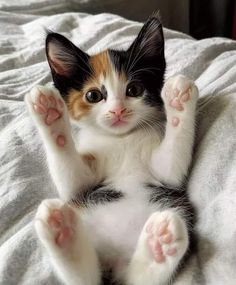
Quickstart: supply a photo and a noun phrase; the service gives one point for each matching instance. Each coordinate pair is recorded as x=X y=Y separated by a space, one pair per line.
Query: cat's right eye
x=94 y=96
x=134 y=89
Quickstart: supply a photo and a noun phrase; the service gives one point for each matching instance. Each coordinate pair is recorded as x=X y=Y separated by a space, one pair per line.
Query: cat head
x=115 y=91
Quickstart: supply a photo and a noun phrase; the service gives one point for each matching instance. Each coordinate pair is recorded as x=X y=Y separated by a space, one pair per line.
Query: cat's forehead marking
x=100 y=64
x=107 y=75
x=103 y=67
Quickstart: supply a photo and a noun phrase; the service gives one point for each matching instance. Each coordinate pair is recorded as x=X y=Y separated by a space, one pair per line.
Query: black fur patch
x=144 y=61
x=80 y=71
x=100 y=194
x=170 y=197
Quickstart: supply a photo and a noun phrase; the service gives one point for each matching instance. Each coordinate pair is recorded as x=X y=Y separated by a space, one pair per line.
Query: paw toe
x=171 y=251
x=176 y=104
x=185 y=97
x=40 y=109
x=52 y=101
x=63 y=236
x=167 y=238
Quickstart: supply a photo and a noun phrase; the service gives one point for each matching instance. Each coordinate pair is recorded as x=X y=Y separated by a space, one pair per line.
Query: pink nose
x=118 y=111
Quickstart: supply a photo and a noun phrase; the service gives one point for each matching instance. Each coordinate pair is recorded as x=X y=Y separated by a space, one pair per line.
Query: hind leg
x=61 y=232
x=162 y=244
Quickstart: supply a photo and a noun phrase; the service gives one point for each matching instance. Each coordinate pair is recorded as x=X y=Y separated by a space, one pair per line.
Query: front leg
x=171 y=160
x=68 y=169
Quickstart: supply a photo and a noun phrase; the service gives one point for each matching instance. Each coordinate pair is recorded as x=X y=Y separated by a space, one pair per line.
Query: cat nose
x=118 y=111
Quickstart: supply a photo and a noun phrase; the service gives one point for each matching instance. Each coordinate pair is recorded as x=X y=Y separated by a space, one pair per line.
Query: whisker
x=149 y=69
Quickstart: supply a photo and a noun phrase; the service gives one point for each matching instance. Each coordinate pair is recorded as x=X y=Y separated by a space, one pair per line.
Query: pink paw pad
x=52 y=116
x=60 y=139
x=176 y=104
x=175 y=121
x=178 y=98
x=61 y=223
x=50 y=107
x=185 y=97
x=160 y=241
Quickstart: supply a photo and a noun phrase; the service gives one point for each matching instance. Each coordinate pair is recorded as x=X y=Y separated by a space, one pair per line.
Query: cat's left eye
x=134 y=89
x=94 y=96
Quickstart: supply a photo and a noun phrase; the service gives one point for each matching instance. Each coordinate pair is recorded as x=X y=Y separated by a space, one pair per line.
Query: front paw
x=49 y=112
x=180 y=96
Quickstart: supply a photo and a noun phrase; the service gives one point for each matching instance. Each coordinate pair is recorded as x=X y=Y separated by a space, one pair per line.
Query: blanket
x=24 y=178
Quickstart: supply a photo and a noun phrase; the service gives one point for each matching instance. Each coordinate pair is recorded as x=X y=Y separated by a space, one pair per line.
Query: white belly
x=115 y=227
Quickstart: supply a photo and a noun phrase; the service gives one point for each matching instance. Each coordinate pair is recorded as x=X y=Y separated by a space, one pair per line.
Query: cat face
x=116 y=91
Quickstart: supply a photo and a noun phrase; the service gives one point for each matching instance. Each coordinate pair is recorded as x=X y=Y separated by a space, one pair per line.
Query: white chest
x=123 y=164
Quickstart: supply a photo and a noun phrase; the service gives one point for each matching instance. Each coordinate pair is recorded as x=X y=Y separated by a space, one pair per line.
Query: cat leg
x=162 y=244
x=68 y=169
x=61 y=231
x=171 y=159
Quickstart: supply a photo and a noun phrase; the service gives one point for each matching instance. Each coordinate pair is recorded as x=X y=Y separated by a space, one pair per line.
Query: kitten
x=121 y=207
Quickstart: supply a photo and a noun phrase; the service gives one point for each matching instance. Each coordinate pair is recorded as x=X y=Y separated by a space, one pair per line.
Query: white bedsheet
x=24 y=179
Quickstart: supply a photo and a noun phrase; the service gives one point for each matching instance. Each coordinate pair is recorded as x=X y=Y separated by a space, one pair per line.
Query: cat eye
x=134 y=89
x=94 y=96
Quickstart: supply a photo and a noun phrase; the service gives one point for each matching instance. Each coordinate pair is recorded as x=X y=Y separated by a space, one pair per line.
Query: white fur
x=175 y=151
x=127 y=159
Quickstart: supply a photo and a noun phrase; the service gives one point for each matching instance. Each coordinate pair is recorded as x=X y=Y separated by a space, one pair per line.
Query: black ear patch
x=148 y=45
x=150 y=40
x=63 y=56
x=69 y=65
x=144 y=61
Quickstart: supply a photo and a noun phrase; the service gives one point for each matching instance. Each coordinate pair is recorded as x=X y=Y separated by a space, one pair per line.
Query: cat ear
x=63 y=56
x=150 y=41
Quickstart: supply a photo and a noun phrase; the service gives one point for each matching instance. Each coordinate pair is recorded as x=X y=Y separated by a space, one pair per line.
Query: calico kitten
x=121 y=208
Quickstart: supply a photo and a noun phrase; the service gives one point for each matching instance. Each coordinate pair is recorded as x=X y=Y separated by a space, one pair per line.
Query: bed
x=24 y=178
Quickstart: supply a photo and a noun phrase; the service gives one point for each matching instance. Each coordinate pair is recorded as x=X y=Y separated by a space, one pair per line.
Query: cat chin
x=118 y=129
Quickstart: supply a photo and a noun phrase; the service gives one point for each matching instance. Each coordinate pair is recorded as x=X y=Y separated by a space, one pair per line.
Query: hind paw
x=55 y=223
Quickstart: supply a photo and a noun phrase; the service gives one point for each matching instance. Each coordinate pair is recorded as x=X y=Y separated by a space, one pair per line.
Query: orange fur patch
x=100 y=64
x=77 y=105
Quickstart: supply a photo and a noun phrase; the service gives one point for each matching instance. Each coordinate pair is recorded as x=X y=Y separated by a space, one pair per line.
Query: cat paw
x=166 y=237
x=180 y=95
x=49 y=111
x=55 y=223
x=161 y=246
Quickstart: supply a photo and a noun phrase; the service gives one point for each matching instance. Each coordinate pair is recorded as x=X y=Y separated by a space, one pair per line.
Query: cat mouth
x=119 y=122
